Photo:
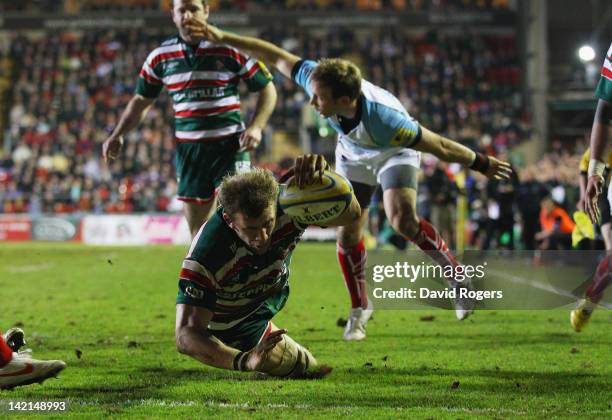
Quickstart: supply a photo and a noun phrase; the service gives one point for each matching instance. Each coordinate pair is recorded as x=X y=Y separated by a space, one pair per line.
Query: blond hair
x=249 y=193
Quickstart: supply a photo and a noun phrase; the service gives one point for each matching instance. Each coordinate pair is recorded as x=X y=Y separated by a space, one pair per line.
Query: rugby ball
x=319 y=202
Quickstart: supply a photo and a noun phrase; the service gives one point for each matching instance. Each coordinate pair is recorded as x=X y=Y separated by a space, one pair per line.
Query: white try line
x=31 y=268
x=358 y=408
x=539 y=285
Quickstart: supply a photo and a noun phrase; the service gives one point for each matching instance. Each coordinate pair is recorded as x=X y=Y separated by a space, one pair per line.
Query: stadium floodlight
x=586 y=53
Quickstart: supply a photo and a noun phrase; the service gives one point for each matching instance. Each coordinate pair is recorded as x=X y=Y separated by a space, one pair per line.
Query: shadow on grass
x=389 y=387
x=144 y=383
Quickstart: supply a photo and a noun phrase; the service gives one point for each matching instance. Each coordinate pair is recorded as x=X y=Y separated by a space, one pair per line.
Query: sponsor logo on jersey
x=201 y=93
x=251 y=293
x=402 y=136
x=194 y=293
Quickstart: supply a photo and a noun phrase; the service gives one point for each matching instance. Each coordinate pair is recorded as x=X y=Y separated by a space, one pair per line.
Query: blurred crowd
x=69 y=89
x=68 y=93
x=522 y=212
x=73 y=6
x=343 y=5
x=532 y=210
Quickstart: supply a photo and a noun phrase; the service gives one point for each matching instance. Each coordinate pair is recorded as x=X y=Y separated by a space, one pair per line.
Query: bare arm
x=266 y=102
x=265 y=105
x=192 y=338
x=599 y=133
x=265 y=51
x=133 y=114
x=443 y=148
x=450 y=151
x=599 y=140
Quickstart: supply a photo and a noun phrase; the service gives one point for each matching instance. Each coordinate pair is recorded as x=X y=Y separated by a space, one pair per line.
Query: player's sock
x=6 y=354
x=353 y=263
x=601 y=280
x=432 y=243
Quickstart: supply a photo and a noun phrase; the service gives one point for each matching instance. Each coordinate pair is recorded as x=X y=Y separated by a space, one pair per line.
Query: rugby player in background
x=580 y=316
x=202 y=79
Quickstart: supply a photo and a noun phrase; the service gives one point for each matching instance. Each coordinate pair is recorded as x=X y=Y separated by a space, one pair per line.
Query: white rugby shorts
x=365 y=165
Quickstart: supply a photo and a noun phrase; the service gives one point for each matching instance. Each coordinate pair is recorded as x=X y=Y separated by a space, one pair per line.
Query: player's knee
x=194 y=231
x=195 y=223
x=196 y=215
x=405 y=221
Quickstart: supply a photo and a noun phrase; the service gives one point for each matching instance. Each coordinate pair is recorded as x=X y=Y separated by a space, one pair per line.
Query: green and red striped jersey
x=604 y=88
x=203 y=83
x=232 y=280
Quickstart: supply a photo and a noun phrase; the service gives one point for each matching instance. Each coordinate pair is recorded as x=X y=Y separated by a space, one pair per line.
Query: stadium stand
x=63 y=107
x=75 y=6
x=65 y=92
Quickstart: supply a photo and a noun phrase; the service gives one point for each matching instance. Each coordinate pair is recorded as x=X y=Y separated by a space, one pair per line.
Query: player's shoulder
x=172 y=43
x=303 y=69
x=379 y=101
x=383 y=111
x=386 y=118
x=606 y=69
x=306 y=64
x=169 y=45
x=173 y=40
x=214 y=243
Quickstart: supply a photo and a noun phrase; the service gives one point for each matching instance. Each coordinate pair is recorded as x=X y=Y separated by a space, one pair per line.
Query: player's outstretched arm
x=597 y=165
x=451 y=151
x=265 y=51
x=193 y=339
x=133 y=114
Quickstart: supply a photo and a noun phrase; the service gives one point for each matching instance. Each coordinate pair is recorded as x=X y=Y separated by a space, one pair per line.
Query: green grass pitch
x=115 y=308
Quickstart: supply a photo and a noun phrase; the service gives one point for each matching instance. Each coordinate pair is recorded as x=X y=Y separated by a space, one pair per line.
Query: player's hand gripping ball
x=319 y=202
